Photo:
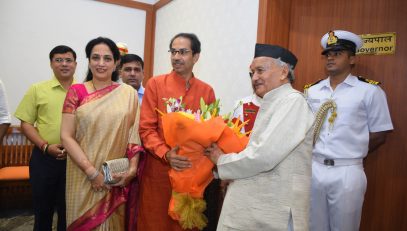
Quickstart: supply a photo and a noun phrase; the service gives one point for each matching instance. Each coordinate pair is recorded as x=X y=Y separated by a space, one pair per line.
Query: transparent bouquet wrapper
x=192 y=137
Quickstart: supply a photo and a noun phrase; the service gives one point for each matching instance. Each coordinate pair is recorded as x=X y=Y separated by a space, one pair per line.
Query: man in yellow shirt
x=40 y=114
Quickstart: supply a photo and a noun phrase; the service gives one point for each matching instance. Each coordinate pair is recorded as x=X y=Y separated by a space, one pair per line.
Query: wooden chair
x=15 y=154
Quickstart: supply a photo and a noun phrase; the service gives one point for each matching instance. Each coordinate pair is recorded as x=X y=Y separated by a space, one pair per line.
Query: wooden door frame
x=274 y=22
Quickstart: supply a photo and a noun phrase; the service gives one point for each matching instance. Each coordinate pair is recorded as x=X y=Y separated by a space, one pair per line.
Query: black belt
x=337 y=162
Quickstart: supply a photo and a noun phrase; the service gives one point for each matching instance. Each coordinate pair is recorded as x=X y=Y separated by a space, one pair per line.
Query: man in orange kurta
x=155 y=192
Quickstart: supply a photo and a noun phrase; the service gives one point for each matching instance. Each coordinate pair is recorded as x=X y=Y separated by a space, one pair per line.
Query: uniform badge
x=307 y=86
x=332 y=39
x=369 y=81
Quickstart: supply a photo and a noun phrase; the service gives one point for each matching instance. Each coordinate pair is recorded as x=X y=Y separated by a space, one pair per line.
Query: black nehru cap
x=275 y=52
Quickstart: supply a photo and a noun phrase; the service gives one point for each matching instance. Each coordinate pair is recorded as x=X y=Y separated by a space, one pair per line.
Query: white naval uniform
x=338 y=191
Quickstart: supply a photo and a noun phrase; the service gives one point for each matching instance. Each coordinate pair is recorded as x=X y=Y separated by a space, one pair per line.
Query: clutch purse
x=114 y=166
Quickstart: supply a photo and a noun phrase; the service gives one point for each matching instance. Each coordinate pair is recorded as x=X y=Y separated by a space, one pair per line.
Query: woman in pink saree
x=100 y=122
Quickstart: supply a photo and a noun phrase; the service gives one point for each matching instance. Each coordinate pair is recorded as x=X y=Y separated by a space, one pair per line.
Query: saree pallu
x=106 y=127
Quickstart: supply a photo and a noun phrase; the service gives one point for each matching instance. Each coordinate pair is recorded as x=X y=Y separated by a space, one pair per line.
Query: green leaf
x=202 y=105
x=207 y=115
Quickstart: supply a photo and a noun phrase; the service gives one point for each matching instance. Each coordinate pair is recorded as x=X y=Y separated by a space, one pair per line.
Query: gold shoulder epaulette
x=312 y=84
x=368 y=81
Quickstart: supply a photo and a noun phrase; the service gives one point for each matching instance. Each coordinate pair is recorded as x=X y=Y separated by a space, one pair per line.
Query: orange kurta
x=155 y=190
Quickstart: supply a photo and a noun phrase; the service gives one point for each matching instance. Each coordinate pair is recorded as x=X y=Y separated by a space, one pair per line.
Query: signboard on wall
x=378 y=44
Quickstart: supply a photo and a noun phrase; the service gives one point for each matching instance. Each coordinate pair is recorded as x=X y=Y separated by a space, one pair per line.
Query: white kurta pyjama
x=272 y=176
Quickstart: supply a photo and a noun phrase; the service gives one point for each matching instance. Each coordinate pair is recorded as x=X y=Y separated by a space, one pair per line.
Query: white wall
x=227 y=30
x=30 y=29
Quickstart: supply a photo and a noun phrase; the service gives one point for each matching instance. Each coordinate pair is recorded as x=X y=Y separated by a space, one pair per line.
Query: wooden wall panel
x=274 y=22
x=385 y=206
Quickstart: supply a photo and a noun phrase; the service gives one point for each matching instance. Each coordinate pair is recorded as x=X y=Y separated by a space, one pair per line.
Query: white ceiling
x=152 y=2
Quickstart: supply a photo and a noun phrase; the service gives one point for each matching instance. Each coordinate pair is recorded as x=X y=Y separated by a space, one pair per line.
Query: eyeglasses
x=61 y=60
x=182 y=52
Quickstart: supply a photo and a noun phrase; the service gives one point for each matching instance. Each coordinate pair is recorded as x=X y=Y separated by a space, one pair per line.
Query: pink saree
x=106 y=128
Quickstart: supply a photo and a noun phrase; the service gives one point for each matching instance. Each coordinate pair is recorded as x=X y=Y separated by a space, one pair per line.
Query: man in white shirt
x=352 y=120
x=271 y=177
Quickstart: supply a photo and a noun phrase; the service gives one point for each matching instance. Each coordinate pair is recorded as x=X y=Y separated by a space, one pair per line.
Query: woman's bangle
x=94 y=175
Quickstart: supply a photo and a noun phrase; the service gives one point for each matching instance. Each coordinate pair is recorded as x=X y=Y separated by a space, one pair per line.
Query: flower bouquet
x=192 y=132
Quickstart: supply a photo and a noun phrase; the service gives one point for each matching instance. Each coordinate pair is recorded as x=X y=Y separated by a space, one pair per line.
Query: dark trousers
x=212 y=198
x=47 y=177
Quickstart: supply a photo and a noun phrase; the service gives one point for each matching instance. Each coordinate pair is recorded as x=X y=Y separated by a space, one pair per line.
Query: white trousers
x=337 y=194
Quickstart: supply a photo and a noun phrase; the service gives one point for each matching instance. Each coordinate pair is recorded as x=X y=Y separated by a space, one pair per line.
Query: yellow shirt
x=42 y=105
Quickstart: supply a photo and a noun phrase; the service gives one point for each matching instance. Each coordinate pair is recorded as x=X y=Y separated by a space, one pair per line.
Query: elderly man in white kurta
x=270 y=188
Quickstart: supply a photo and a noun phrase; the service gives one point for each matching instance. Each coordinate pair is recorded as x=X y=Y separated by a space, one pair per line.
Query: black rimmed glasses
x=61 y=60
x=182 y=52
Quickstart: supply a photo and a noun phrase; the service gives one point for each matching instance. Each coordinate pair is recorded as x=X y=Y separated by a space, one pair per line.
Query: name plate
x=378 y=44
